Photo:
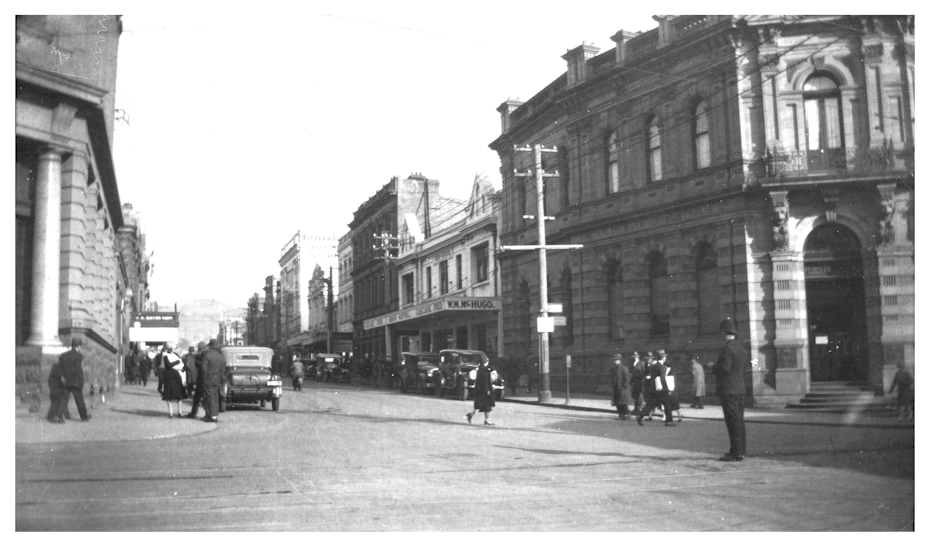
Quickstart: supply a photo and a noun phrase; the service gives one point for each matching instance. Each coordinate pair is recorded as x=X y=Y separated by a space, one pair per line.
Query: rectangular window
x=429 y=282
x=793 y=112
x=407 y=281
x=614 y=177
x=444 y=277
x=458 y=272
x=479 y=256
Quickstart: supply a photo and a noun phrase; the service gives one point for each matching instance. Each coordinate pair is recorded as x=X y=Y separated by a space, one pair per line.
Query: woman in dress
x=484 y=392
x=173 y=389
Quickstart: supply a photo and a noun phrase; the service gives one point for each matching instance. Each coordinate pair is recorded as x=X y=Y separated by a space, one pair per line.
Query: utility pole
x=329 y=308
x=544 y=393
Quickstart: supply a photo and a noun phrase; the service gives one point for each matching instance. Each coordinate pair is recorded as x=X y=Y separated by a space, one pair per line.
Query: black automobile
x=330 y=368
x=249 y=379
x=458 y=369
x=419 y=370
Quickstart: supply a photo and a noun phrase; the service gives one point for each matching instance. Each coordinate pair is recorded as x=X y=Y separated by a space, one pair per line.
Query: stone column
x=46 y=251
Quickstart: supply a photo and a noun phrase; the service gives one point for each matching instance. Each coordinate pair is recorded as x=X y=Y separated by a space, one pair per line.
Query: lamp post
x=119 y=357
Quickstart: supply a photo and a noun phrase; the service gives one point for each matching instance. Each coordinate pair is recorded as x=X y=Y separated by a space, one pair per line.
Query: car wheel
x=261 y=403
x=462 y=390
x=438 y=387
x=276 y=404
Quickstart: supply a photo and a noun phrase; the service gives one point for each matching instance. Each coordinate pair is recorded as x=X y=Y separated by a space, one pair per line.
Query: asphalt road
x=352 y=458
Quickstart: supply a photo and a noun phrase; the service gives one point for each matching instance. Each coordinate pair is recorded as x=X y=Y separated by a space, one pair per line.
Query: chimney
x=506 y=109
x=667 y=32
x=621 y=38
x=576 y=60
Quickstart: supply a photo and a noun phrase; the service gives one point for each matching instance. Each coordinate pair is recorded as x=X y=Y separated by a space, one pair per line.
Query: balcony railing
x=860 y=161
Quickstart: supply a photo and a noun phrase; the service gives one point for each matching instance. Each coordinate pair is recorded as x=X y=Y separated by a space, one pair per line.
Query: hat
x=727 y=326
x=616 y=357
x=649 y=355
x=190 y=348
x=636 y=353
x=201 y=346
x=76 y=342
x=214 y=344
x=660 y=353
x=695 y=358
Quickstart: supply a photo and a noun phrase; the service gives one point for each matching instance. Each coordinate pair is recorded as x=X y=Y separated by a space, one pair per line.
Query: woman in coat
x=697 y=370
x=621 y=381
x=484 y=392
x=173 y=389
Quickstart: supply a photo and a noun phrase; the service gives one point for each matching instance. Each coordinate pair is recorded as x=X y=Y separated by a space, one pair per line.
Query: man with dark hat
x=731 y=362
x=657 y=391
x=620 y=382
x=198 y=379
x=214 y=370
x=637 y=375
x=73 y=375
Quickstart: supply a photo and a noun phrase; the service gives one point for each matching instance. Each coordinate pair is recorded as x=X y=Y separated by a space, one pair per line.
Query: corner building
x=752 y=167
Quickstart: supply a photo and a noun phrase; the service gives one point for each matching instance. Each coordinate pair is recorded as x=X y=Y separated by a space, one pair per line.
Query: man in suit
x=73 y=375
x=57 y=412
x=732 y=361
x=198 y=382
x=214 y=370
x=637 y=374
x=657 y=394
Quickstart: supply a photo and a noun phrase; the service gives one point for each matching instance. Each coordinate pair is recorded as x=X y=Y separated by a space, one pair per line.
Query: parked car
x=249 y=379
x=329 y=368
x=458 y=370
x=418 y=370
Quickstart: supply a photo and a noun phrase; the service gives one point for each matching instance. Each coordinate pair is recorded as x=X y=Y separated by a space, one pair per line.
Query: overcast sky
x=246 y=126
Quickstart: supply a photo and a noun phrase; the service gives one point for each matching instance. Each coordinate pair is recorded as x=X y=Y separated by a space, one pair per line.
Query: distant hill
x=200 y=320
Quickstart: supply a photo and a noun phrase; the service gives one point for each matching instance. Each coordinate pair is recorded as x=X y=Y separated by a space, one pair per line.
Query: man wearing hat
x=731 y=362
x=656 y=389
x=620 y=381
x=637 y=375
x=214 y=369
x=198 y=379
x=73 y=379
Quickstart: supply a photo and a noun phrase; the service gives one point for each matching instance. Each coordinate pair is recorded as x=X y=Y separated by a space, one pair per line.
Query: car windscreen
x=471 y=360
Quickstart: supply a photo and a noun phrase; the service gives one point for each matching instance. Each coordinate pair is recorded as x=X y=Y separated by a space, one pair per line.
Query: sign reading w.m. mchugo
x=451 y=303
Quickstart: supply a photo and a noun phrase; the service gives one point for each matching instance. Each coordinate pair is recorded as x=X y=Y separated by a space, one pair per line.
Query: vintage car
x=458 y=370
x=249 y=379
x=329 y=368
x=418 y=370
x=309 y=366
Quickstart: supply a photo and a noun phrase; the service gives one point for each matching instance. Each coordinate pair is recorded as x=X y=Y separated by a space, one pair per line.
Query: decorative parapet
x=857 y=161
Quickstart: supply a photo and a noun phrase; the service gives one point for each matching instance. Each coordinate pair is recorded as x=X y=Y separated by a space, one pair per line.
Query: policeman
x=731 y=362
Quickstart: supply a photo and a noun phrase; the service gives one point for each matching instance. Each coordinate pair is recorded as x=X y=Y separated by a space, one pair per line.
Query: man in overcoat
x=732 y=361
x=657 y=394
x=73 y=375
x=57 y=391
x=214 y=370
x=198 y=380
x=621 y=378
x=637 y=375
x=697 y=371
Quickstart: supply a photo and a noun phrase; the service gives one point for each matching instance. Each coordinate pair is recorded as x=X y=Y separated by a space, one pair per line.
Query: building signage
x=452 y=303
x=156 y=319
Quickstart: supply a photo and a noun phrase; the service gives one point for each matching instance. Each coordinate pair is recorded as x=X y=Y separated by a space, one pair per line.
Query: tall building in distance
x=753 y=167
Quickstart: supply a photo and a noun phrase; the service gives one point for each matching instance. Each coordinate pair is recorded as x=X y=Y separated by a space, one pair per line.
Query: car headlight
x=493 y=375
x=472 y=375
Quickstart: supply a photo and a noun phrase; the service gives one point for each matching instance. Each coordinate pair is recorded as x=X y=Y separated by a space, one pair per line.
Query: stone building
x=449 y=285
x=374 y=233
x=73 y=271
x=753 y=167
x=345 y=298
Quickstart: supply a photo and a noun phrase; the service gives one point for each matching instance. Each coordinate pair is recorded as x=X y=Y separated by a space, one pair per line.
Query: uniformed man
x=731 y=362
x=73 y=374
x=214 y=370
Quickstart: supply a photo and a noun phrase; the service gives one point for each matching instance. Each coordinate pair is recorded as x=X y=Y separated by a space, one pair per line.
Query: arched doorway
x=835 y=305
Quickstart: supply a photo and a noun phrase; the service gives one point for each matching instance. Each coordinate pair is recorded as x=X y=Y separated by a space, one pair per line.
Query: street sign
x=554 y=308
x=559 y=320
x=545 y=324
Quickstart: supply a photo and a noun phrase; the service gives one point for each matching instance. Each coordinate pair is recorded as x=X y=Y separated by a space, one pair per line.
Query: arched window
x=708 y=288
x=824 y=123
x=565 y=287
x=701 y=137
x=653 y=151
x=614 y=299
x=613 y=163
x=658 y=293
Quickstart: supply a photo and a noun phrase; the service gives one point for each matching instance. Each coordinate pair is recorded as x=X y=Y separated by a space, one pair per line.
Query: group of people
x=647 y=385
x=65 y=379
x=198 y=375
x=138 y=367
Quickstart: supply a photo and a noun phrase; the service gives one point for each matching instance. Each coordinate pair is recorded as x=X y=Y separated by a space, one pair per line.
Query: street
x=355 y=458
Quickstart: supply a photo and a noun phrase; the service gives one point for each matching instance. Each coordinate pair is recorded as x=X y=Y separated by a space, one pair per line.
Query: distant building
x=753 y=167
x=73 y=271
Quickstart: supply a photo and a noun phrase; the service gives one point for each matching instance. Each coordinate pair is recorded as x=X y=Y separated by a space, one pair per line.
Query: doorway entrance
x=835 y=305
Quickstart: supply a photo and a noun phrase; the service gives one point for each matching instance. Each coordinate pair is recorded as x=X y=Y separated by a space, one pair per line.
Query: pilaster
x=791 y=340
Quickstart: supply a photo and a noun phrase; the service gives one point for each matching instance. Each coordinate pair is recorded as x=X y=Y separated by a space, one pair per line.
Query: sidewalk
x=133 y=413
x=601 y=403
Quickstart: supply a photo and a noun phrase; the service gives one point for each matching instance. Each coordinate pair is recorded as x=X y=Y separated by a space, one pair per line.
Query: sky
x=245 y=126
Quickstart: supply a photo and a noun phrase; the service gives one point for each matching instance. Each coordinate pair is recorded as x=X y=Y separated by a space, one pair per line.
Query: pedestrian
x=637 y=375
x=512 y=373
x=135 y=367
x=198 y=381
x=656 y=390
x=190 y=368
x=173 y=384
x=731 y=362
x=73 y=376
x=297 y=375
x=214 y=370
x=620 y=381
x=484 y=391
x=674 y=405
x=57 y=412
x=905 y=384
x=145 y=366
x=697 y=385
x=530 y=368
x=159 y=363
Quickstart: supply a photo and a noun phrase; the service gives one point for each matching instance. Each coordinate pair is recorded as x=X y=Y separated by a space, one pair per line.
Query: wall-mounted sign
x=452 y=303
x=821 y=340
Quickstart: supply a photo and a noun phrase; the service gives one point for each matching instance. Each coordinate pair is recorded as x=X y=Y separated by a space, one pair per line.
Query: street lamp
x=119 y=358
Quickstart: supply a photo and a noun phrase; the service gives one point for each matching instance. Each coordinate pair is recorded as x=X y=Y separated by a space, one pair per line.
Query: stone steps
x=842 y=397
